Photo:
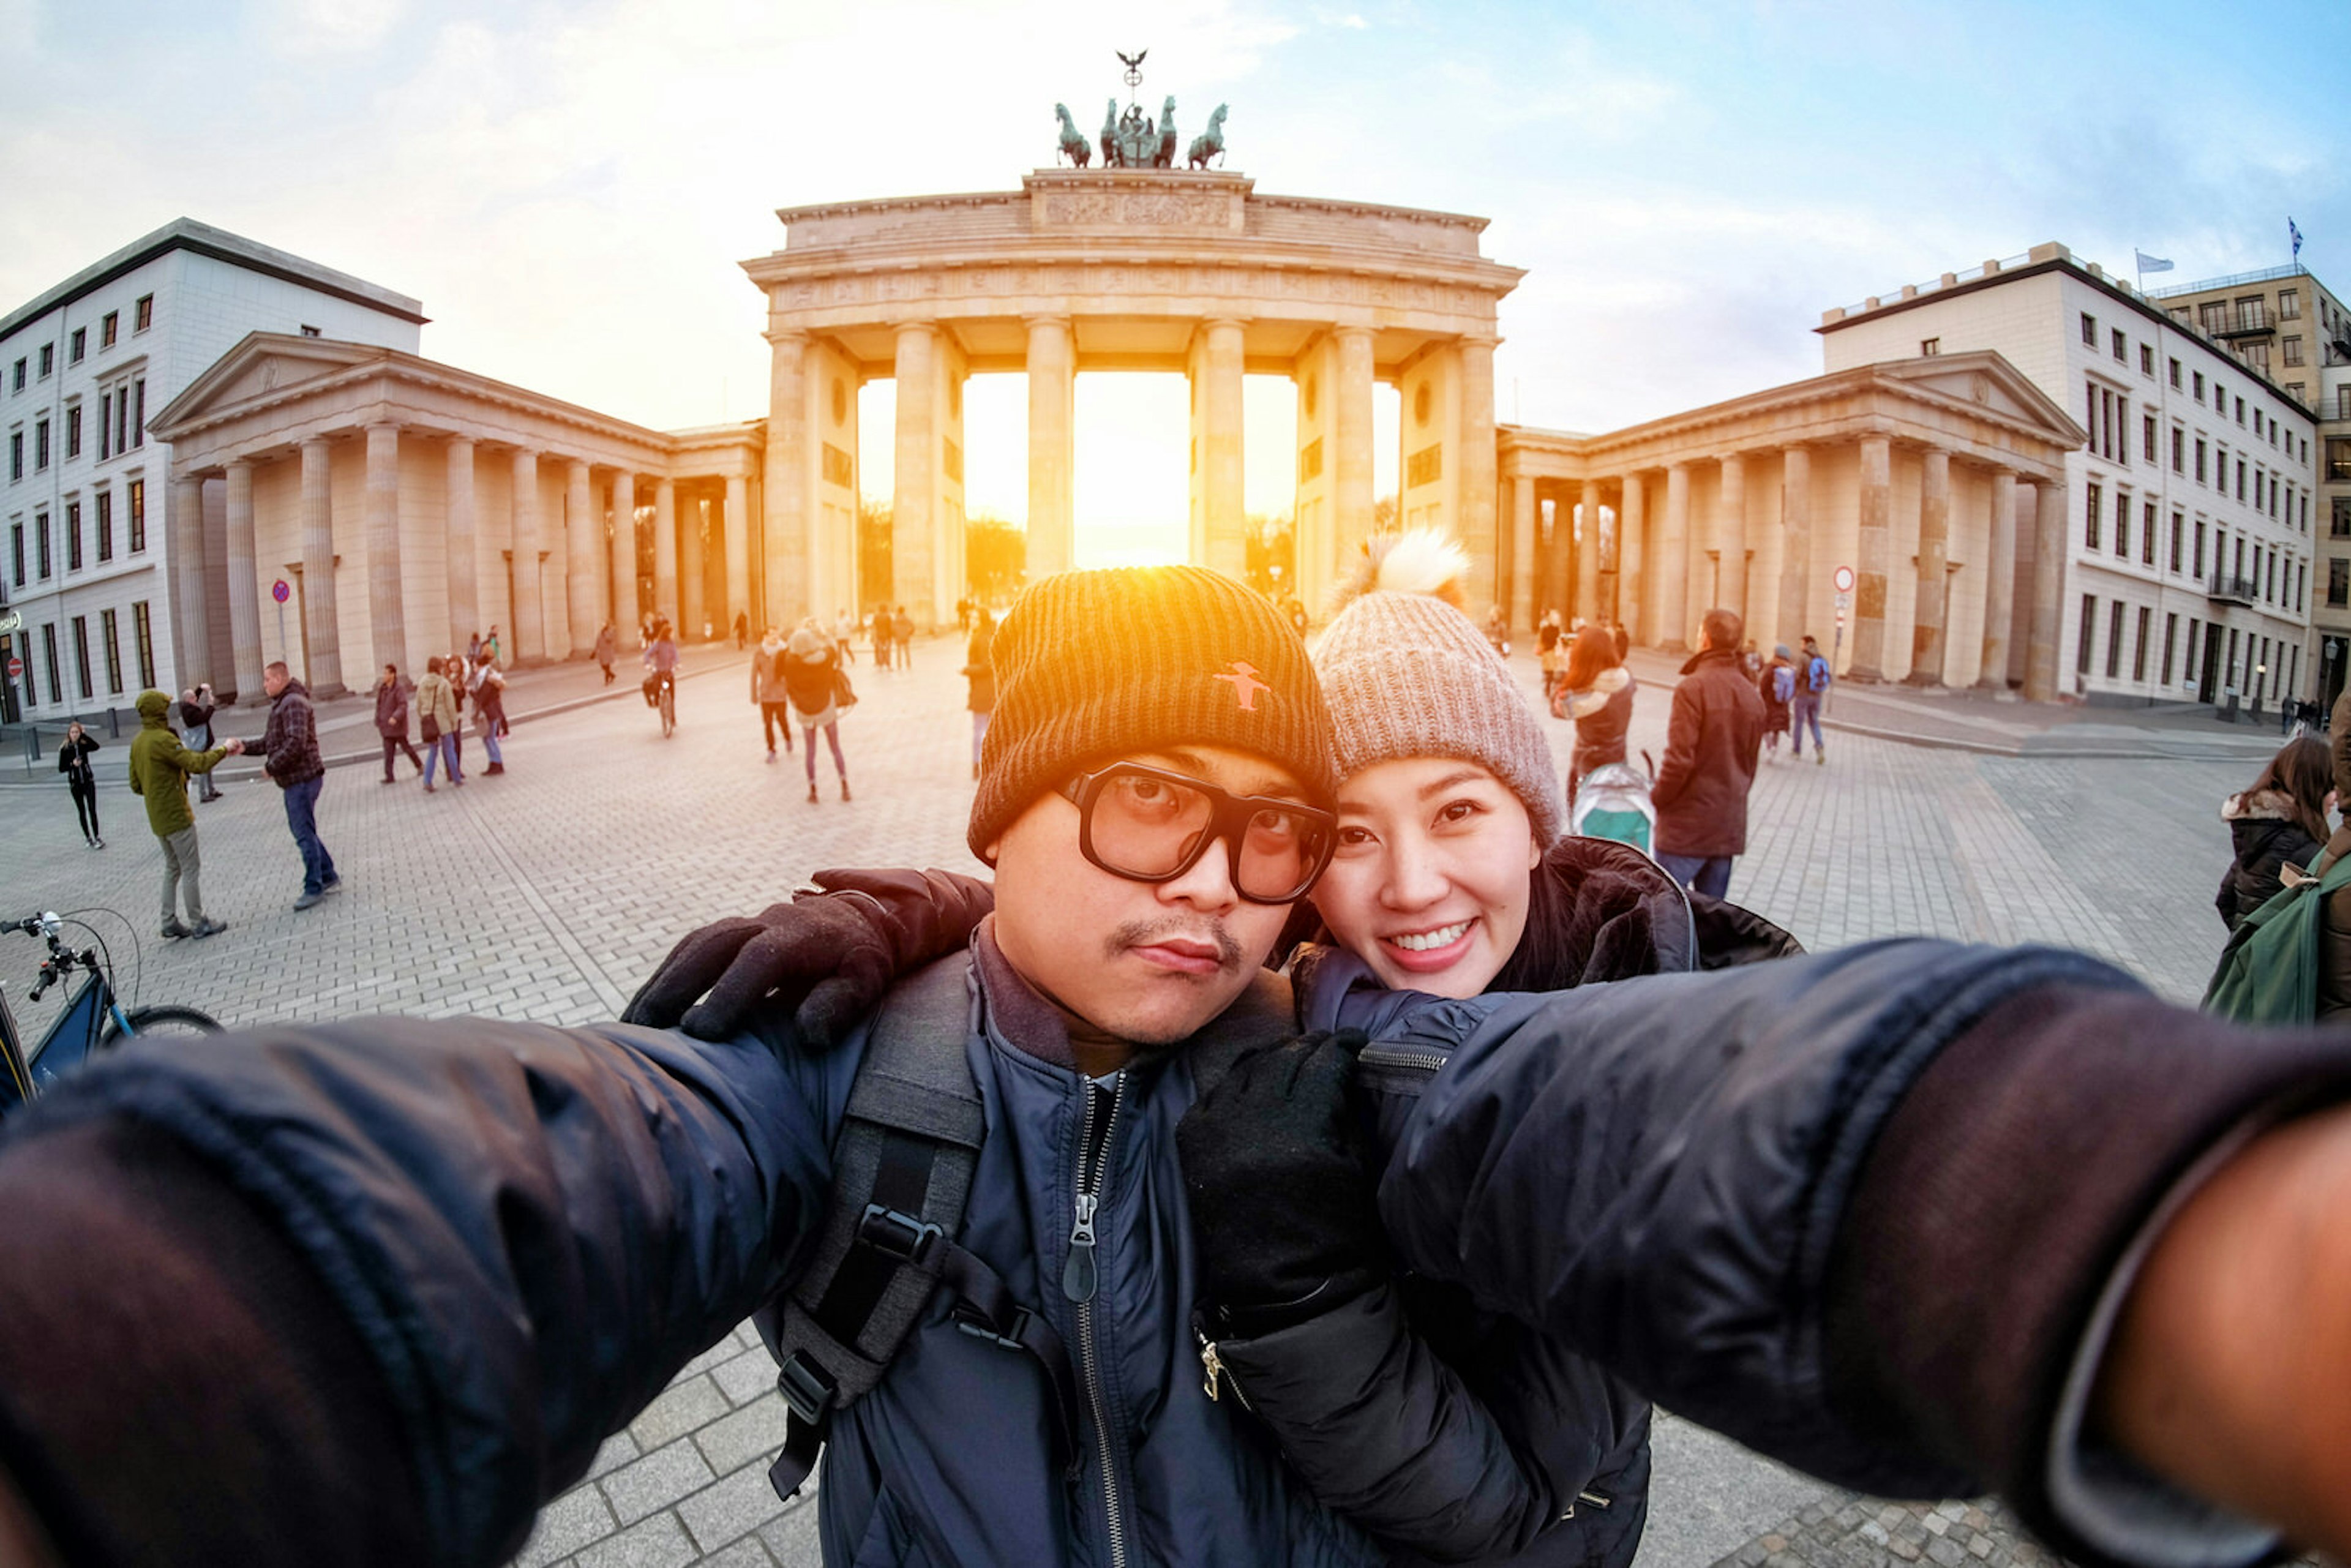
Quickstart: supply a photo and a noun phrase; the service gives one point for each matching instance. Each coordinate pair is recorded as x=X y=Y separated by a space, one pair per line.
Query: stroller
x=1612 y=803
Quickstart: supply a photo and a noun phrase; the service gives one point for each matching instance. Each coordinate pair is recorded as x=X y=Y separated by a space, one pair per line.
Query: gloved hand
x=826 y=959
x=1279 y=1179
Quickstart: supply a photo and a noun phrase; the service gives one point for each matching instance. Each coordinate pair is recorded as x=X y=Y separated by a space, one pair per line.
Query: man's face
x=1148 y=963
x=273 y=681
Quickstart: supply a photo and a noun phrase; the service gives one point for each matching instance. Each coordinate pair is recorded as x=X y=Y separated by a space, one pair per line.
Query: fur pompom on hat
x=1404 y=674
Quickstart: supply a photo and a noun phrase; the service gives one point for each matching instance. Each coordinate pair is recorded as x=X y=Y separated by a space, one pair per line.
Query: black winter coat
x=2265 y=836
x=1710 y=750
x=73 y=761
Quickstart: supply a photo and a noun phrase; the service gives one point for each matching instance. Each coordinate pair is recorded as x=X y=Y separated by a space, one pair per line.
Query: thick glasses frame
x=1228 y=821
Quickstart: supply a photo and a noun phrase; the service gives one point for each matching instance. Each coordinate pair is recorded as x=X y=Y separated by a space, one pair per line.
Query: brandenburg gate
x=1120 y=269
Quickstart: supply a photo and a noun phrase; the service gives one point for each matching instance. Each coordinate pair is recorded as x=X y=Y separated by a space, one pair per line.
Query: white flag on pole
x=2152 y=263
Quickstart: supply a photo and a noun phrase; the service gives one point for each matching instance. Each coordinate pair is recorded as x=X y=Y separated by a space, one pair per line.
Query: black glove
x=1280 y=1187
x=825 y=959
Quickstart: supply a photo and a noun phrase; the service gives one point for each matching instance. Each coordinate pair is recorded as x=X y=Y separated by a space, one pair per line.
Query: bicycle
x=669 y=706
x=93 y=1018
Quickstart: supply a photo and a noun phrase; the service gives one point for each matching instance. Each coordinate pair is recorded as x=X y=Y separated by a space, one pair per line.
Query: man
x=196 y=709
x=391 y=719
x=160 y=765
x=395 y=1279
x=902 y=637
x=1711 y=751
x=290 y=756
x=1811 y=684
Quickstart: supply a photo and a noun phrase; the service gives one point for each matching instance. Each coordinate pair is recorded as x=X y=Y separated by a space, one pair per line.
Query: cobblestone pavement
x=549 y=893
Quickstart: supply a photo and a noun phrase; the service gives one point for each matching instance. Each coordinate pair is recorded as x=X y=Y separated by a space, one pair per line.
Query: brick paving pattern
x=548 y=892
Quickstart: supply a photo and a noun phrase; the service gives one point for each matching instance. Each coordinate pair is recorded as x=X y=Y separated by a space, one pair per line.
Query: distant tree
x=876 y=583
x=1270 y=562
x=994 y=556
x=1383 y=516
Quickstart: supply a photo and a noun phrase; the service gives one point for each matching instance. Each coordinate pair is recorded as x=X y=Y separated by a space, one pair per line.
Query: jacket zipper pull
x=1214 y=1367
x=1078 y=1274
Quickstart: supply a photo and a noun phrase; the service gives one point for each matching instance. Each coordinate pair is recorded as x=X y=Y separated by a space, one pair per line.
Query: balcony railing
x=2245 y=324
x=2234 y=590
x=2234 y=280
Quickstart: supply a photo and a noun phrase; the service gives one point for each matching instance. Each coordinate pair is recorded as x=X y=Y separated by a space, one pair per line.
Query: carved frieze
x=1137 y=209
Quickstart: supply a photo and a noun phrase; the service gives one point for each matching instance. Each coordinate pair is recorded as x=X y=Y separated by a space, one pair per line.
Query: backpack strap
x=903 y=1165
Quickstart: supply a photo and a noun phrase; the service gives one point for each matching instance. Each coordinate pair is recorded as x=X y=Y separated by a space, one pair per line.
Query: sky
x=569 y=187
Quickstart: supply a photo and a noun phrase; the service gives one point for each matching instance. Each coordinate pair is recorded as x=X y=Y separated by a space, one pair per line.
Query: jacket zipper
x=1078 y=1280
x=1378 y=1055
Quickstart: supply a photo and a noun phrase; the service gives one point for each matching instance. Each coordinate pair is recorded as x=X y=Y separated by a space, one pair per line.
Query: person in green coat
x=159 y=766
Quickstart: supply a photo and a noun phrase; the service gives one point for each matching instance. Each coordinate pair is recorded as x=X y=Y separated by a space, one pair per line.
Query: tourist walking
x=81 y=779
x=1551 y=654
x=160 y=766
x=2279 y=817
x=844 y=637
x=488 y=648
x=1777 y=687
x=814 y=683
x=902 y=636
x=488 y=688
x=768 y=690
x=879 y=632
x=980 y=671
x=291 y=758
x=742 y=629
x=196 y=710
x=1595 y=691
x=1711 y=744
x=391 y=719
x=1812 y=677
x=437 y=720
x=607 y=649
x=1497 y=631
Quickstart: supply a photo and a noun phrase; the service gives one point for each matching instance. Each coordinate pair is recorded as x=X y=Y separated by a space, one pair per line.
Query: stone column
x=914 y=526
x=387 y=622
x=1220 y=448
x=465 y=603
x=582 y=531
x=665 y=554
x=1674 y=555
x=693 y=573
x=1351 y=478
x=186 y=529
x=2048 y=590
x=244 y=582
x=1477 y=495
x=1731 y=539
x=737 y=526
x=1053 y=453
x=1632 y=555
x=323 y=668
x=1524 y=570
x=1999 y=583
x=1587 y=553
x=1796 y=544
x=1927 y=638
x=628 y=614
x=1874 y=560
x=528 y=642
x=786 y=490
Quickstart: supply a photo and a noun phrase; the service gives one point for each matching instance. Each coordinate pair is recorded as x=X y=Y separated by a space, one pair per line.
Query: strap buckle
x=901 y=1235
x=973 y=1322
x=807 y=1389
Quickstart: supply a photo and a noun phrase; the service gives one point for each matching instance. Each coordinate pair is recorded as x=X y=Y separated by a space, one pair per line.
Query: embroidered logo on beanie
x=1246 y=685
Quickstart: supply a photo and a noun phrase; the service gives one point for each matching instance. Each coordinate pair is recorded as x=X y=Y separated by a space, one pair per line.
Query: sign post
x=281 y=591
x=1842 y=580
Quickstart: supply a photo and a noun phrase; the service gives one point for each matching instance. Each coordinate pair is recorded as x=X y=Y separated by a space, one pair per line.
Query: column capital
x=575 y=466
x=783 y=337
x=901 y=328
x=1346 y=329
x=310 y=444
x=394 y=425
x=1210 y=323
x=1060 y=319
x=238 y=465
x=1480 y=341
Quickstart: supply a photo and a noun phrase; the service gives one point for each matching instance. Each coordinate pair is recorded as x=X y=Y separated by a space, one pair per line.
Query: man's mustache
x=1144 y=932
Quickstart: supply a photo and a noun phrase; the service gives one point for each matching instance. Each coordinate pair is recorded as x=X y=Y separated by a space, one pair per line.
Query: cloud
x=301 y=28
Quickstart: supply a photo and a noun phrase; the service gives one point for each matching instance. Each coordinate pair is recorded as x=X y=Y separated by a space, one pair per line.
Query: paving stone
x=657 y=1542
x=677 y=1410
x=754 y=1432
x=736 y=1505
x=656 y=1481
x=573 y=1521
x=750 y=1374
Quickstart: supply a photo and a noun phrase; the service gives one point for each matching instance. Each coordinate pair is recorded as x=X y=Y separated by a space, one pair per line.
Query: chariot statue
x=1074 y=145
x=1130 y=139
x=1210 y=143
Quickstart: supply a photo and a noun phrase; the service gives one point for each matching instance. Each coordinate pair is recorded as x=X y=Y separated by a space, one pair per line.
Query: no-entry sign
x=1844 y=579
x=281 y=591
x=16 y=667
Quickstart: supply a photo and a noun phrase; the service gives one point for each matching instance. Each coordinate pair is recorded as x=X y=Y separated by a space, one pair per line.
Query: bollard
x=114 y=723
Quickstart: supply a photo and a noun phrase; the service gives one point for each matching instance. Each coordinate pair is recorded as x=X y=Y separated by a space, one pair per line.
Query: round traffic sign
x=280 y=592
x=16 y=667
x=1844 y=579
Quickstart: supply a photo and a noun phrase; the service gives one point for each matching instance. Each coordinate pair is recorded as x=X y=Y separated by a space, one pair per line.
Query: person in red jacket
x=1710 y=750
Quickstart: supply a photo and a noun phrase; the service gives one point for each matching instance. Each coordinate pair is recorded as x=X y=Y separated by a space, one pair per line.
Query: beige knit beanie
x=1404 y=674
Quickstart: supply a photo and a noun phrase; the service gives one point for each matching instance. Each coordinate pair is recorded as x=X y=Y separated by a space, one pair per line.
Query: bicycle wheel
x=669 y=711
x=166 y=1021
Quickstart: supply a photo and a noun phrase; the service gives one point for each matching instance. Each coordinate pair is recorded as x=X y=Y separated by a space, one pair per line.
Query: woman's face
x=73 y=731
x=1429 y=883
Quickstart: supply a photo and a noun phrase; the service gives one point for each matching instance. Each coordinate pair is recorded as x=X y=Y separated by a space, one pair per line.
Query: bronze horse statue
x=1210 y=143
x=1074 y=146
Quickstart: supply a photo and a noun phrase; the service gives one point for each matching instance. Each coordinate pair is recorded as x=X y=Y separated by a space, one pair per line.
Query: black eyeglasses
x=1147 y=824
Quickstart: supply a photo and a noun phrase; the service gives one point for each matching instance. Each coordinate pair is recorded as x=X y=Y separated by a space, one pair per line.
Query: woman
x=606 y=649
x=196 y=710
x=391 y=719
x=488 y=688
x=81 y=781
x=1596 y=690
x=436 y=718
x=1778 y=686
x=1549 y=655
x=980 y=671
x=767 y=689
x=812 y=684
x=2282 y=818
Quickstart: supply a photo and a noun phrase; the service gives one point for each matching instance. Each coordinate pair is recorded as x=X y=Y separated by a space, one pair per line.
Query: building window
x=2292 y=345
x=107 y=635
x=138 y=412
x=41 y=542
x=108 y=329
x=2114 y=640
x=81 y=656
x=2338 y=582
x=2289 y=305
x=2147 y=358
x=2200 y=549
x=2342 y=400
x=2146 y=535
x=2187 y=663
x=2175 y=375
x=135 y=502
x=2097 y=502
x=2178 y=450
x=142 y=633
x=2339 y=526
x=105 y=527
x=40 y=444
x=17 y=551
x=105 y=425
x=49 y=653
x=16 y=456
x=2178 y=528
x=2200 y=459
x=2240 y=478
x=2089 y=633
x=2147 y=436
x=2240 y=572
x=2121 y=346
x=2171 y=636
x=142 y=314
x=2240 y=411
x=76 y=344
x=2122 y=524
x=48 y=360
x=2254 y=313
x=73 y=536
x=17 y=377
x=1929 y=347
x=121 y=419
x=2089 y=330
x=2139 y=648
x=309 y=330
x=2199 y=379
x=73 y=430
